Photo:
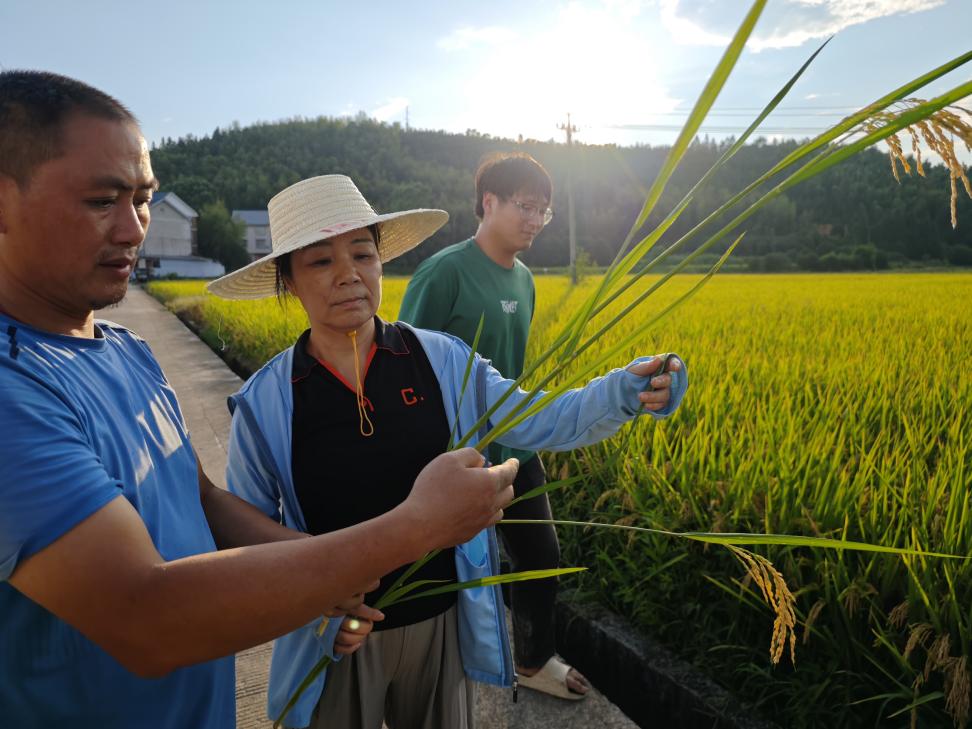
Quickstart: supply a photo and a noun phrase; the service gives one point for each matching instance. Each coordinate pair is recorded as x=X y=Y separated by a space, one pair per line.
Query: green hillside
x=854 y=217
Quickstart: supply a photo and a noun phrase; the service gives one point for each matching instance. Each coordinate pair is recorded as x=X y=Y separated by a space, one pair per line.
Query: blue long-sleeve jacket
x=259 y=471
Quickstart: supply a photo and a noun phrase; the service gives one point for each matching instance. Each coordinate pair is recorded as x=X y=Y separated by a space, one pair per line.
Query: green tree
x=221 y=237
x=960 y=255
x=194 y=190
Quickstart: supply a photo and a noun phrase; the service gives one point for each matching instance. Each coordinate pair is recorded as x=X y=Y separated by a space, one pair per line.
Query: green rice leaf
x=624 y=263
x=927 y=698
x=465 y=375
x=740 y=539
x=503 y=579
x=301 y=688
x=519 y=415
x=412 y=569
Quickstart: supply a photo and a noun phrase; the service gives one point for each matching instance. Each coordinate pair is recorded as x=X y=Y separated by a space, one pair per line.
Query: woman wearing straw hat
x=334 y=430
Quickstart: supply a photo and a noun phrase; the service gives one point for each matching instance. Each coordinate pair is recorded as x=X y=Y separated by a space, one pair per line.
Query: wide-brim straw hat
x=318 y=208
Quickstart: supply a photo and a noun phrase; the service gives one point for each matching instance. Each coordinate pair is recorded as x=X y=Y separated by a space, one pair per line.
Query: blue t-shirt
x=83 y=421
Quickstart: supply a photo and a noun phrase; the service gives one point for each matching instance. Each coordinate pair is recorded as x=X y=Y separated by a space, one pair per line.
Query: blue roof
x=158 y=197
x=252 y=217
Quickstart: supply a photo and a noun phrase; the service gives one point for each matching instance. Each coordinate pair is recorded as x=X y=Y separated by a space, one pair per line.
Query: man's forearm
x=216 y=604
x=106 y=577
x=154 y=616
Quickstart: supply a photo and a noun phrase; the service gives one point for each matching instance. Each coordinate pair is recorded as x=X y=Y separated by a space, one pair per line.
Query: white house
x=256 y=236
x=170 y=246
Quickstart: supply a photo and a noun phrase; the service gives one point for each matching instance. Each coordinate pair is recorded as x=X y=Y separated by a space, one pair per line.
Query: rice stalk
x=387 y=600
x=938 y=130
x=777 y=595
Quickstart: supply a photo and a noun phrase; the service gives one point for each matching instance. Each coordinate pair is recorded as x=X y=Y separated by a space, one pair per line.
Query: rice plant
x=832 y=405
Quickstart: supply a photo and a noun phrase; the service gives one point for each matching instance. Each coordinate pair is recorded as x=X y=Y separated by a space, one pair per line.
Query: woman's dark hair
x=284 y=270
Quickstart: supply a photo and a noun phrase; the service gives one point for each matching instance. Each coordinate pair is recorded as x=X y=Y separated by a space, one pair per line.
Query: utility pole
x=570 y=129
x=406 y=118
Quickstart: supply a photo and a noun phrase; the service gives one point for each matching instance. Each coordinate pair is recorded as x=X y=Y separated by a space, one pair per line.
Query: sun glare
x=591 y=62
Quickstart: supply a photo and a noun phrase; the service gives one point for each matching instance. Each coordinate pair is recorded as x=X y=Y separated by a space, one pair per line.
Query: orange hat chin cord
x=359 y=392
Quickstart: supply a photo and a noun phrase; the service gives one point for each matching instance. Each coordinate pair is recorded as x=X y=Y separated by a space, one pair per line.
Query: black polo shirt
x=341 y=477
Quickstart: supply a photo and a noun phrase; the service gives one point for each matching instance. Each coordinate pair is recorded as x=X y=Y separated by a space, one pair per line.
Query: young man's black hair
x=507 y=173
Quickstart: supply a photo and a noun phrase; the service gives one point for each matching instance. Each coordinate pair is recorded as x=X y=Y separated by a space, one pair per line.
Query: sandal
x=551 y=679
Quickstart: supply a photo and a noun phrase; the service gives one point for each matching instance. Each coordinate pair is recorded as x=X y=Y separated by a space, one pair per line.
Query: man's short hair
x=506 y=173
x=34 y=106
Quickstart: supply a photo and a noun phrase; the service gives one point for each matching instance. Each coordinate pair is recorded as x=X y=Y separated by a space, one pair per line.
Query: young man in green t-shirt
x=449 y=292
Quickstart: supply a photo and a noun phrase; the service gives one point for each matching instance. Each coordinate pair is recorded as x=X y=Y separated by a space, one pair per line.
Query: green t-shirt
x=450 y=291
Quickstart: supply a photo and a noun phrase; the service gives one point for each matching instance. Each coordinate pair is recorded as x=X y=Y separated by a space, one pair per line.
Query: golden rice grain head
x=853 y=595
x=777 y=595
x=894 y=167
x=898 y=152
x=919 y=635
x=937 y=656
x=811 y=619
x=953 y=201
x=606 y=496
x=957 y=690
x=916 y=149
x=898 y=615
x=628 y=520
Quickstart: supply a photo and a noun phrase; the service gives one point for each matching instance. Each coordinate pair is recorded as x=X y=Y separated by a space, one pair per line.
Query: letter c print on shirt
x=409 y=397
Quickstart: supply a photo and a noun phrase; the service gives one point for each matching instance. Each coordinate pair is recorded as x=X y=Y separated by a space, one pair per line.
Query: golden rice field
x=830 y=405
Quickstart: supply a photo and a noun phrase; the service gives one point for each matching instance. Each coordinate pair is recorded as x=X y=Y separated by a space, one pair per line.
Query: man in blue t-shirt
x=115 y=609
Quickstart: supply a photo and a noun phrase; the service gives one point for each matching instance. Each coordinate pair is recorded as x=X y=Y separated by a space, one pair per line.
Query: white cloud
x=391 y=108
x=464 y=38
x=686 y=31
x=784 y=25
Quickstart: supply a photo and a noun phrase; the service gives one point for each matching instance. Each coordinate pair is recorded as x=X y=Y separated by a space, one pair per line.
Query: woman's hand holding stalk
x=661 y=382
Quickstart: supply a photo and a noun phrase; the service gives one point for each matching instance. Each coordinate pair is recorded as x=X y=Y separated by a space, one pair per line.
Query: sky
x=628 y=71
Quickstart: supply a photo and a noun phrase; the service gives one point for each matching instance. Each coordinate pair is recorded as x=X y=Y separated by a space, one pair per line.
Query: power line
x=754 y=112
x=709 y=129
x=756 y=109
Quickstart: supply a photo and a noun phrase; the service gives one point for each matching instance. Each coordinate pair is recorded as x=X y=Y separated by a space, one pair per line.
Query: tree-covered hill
x=855 y=216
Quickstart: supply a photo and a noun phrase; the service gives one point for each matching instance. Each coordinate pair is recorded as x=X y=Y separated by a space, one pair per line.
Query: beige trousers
x=410 y=677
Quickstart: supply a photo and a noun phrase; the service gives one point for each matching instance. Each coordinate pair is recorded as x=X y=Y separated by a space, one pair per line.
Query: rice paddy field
x=823 y=405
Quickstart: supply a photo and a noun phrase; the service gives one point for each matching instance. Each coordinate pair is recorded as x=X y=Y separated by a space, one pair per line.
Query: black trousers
x=531 y=547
